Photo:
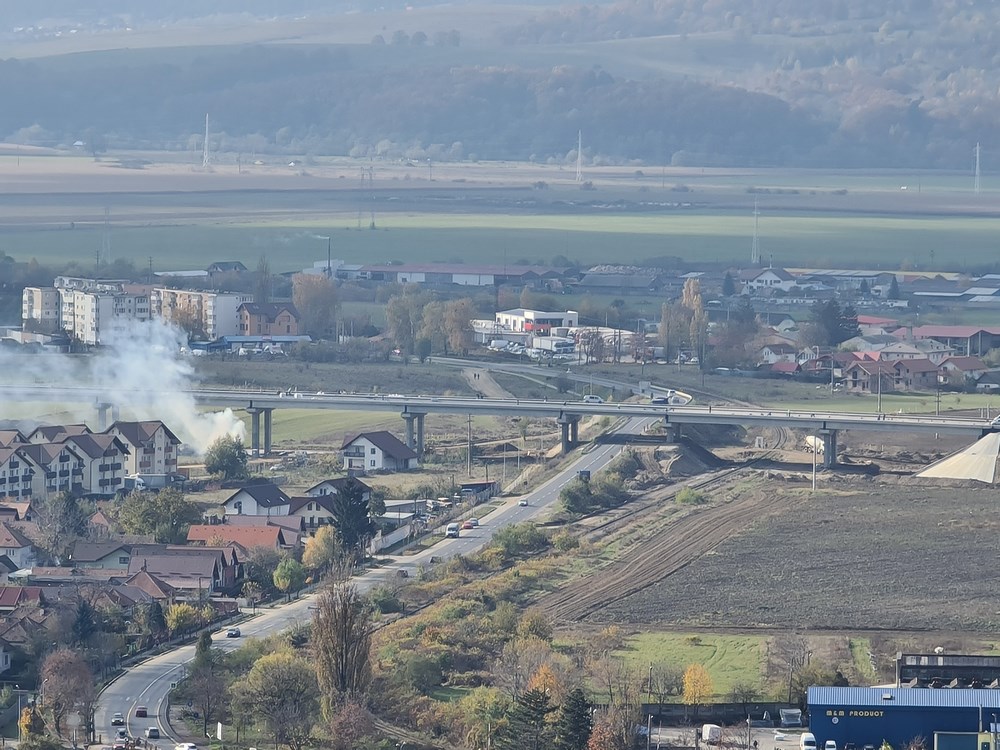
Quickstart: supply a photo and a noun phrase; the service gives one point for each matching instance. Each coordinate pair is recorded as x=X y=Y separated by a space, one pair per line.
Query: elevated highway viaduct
x=414 y=408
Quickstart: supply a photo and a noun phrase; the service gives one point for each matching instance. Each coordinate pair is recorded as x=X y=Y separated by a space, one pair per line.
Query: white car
x=185 y=746
x=523 y=503
x=592 y=398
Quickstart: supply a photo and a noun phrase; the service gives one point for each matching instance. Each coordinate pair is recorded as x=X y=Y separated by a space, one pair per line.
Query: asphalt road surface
x=148 y=683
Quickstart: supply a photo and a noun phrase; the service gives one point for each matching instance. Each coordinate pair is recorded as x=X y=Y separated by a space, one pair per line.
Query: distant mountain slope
x=913 y=84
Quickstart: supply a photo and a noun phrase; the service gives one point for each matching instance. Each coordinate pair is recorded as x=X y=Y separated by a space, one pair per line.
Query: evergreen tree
x=84 y=624
x=894 y=288
x=526 y=726
x=352 y=516
x=728 y=286
x=575 y=722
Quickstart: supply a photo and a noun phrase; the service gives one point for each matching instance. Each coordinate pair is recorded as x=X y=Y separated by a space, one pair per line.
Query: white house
x=377 y=451
x=16 y=546
x=257 y=500
x=766 y=280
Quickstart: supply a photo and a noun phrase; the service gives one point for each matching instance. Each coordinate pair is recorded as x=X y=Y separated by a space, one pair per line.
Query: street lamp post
x=815 y=451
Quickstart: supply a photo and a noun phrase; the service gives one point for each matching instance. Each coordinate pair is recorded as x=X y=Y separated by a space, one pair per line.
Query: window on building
x=373 y=464
x=373 y=451
x=123 y=560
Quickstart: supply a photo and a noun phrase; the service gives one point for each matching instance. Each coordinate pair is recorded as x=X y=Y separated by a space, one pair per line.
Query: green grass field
x=730 y=659
x=794 y=240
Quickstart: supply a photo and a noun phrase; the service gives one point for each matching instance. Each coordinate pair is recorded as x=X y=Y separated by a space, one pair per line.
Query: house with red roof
x=960 y=370
x=915 y=374
x=246 y=537
x=12 y=597
x=965 y=340
x=16 y=546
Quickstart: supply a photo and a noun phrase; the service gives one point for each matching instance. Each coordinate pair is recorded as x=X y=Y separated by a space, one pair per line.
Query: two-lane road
x=147 y=684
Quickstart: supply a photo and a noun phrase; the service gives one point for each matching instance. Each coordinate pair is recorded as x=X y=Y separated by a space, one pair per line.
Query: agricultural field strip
x=682 y=542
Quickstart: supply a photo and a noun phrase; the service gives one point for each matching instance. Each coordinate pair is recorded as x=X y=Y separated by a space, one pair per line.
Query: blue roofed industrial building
x=867 y=716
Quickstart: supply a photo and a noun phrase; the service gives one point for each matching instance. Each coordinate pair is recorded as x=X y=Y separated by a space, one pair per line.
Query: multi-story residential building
x=16 y=472
x=56 y=468
x=101 y=463
x=212 y=314
x=270 y=319
x=89 y=310
x=40 y=308
x=152 y=447
x=93 y=316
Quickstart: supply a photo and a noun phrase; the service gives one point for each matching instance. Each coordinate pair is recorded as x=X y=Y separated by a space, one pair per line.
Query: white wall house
x=377 y=451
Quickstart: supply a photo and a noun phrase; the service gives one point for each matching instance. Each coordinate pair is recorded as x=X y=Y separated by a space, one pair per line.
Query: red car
x=468 y=525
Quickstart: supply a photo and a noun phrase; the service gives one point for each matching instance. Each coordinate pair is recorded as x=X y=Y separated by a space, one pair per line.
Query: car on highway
x=152 y=733
x=592 y=398
x=233 y=633
x=474 y=522
x=141 y=711
x=121 y=734
x=118 y=720
x=467 y=525
x=120 y=745
x=523 y=503
x=185 y=746
x=452 y=531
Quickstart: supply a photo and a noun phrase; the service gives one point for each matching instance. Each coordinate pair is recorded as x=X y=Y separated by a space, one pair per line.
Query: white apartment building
x=215 y=313
x=93 y=316
x=40 y=308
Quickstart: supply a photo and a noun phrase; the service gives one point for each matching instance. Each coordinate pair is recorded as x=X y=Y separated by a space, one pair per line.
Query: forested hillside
x=725 y=82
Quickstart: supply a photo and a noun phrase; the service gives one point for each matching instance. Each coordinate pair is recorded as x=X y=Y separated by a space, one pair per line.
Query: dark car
x=141 y=711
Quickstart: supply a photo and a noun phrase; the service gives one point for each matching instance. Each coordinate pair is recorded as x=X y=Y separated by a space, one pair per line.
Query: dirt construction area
x=767 y=553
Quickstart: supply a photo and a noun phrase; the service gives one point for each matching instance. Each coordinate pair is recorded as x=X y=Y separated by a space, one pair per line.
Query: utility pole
x=755 y=245
x=579 y=156
x=469 y=451
x=977 y=168
x=205 y=160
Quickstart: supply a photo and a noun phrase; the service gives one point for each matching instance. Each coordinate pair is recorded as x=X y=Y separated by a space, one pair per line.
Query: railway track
x=683 y=542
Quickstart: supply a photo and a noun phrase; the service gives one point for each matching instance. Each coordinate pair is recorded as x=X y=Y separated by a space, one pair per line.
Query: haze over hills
x=726 y=82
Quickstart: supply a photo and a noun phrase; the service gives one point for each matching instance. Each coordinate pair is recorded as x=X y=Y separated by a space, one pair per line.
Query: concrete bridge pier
x=414 y=438
x=570 y=431
x=104 y=411
x=255 y=413
x=267 y=431
x=671 y=432
x=829 y=448
x=254 y=430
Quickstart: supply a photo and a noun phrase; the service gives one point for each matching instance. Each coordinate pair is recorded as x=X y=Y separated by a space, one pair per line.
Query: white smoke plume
x=141 y=371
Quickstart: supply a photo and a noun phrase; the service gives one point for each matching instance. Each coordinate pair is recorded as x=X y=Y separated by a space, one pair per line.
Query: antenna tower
x=106 y=237
x=204 y=149
x=371 y=186
x=755 y=245
x=579 y=156
x=977 y=168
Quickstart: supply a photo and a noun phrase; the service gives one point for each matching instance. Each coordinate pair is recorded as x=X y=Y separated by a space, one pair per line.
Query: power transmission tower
x=204 y=149
x=579 y=156
x=755 y=244
x=106 y=238
x=977 y=168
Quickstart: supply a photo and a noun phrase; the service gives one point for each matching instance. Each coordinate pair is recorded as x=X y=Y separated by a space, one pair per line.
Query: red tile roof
x=247 y=537
x=954 y=332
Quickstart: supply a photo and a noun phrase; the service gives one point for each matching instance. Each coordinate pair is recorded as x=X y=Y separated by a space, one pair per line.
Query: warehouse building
x=946 y=719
